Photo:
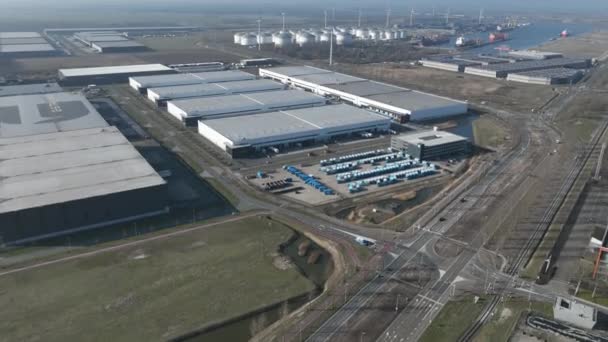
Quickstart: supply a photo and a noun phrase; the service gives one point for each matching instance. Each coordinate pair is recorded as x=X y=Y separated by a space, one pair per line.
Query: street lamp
x=361 y=337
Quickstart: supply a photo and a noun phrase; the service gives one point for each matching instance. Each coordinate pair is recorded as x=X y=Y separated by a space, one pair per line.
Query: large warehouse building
x=503 y=70
x=160 y=96
x=112 y=74
x=243 y=135
x=30 y=89
x=142 y=84
x=191 y=110
x=547 y=76
x=63 y=169
x=109 y=41
x=25 y=44
x=401 y=104
x=431 y=145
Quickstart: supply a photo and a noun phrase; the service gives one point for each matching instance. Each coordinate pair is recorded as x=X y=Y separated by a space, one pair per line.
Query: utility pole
x=359 y=19
x=283 y=15
x=325 y=13
x=388 y=17
x=333 y=14
x=447 y=17
x=331 y=47
x=397 y=303
x=259 y=34
x=480 y=16
x=412 y=17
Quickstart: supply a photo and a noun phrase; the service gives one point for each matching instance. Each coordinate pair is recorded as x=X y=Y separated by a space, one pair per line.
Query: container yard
x=548 y=76
x=189 y=111
x=398 y=103
x=243 y=136
x=161 y=95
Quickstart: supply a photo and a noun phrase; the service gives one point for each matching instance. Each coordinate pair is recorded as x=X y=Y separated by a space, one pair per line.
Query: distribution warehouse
x=191 y=110
x=163 y=94
x=240 y=136
x=431 y=145
x=398 y=103
x=113 y=74
x=64 y=169
x=142 y=84
x=25 y=44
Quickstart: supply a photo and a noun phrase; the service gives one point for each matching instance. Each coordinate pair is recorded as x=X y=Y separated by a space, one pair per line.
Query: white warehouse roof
x=155 y=81
x=290 y=125
x=297 y=70
x=394 y=101
x=212 y=89
x=430 y=138
x=111 y=70
x=45 y=169
x=39 y=114
x=241 y=104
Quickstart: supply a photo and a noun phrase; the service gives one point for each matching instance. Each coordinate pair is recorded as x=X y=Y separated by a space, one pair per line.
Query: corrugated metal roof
x=19 y=34
x=211 y=89
x=124 y=69
x=30 y=89
x=40 y=114
x=430 y=138
x=26 y=48
x=60 y=167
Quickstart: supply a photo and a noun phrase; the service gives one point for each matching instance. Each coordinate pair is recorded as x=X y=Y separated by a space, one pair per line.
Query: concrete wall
x=53 y=219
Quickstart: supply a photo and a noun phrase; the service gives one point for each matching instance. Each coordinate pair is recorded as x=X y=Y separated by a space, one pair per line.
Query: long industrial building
x=191 y=110
x=30 y=89
x=161 y=95
x=63 y=169
x=243 y=135
x=431 y=145
x=400 y=104
x=547 y=76
x=25 y=44
x=503 y=70
x=141 y=84
x=111 y=74
x=109 y=41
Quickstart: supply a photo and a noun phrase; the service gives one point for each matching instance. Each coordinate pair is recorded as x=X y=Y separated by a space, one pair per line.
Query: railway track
x=536 y=238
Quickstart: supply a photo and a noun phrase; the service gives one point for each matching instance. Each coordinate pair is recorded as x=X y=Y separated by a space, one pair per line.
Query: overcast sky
x=583 y=6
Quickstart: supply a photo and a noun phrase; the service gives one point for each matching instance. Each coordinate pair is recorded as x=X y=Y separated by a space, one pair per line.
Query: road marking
x=429 y=299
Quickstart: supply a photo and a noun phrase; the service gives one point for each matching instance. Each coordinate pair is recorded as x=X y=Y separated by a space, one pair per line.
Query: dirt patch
x=281 y=262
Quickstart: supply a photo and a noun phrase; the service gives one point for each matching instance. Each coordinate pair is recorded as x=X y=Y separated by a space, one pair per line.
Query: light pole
x=397 y=303
x=259 y=34
x=361 y=337
x=283 y=15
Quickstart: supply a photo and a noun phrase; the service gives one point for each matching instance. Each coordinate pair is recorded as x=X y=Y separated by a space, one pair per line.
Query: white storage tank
x=264 y=38
x=283 y=39
x=344 y=39
x=249 y=39
x=402 y=34
x=361 y=33
x=305 y=38
x=375 y=35
x=387 y=35
x=325 y=37
x=237 y=37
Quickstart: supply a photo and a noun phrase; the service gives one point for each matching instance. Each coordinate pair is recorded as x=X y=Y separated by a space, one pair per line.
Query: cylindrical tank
x=374 y=34
x=344 y=39
x=325 y=37
x=249 y=39
x=361 y=33
x=304 y=38
x=402 y=34
x=237 y=37
x=387 y=35
x=283 y=39
x=317 y=34
x=264 y=38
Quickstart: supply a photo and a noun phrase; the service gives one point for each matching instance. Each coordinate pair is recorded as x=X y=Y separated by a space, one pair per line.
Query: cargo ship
x=493 y=38
x=434 y=40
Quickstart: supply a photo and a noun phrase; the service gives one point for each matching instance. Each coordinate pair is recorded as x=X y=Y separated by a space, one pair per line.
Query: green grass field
x=502 y=325
x=152 y=291
x=488 y=133
x=453 y=320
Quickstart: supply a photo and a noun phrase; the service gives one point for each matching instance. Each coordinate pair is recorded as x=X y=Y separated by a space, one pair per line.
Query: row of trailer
x=354 y=164
x=309 y=180
x=351 y=157
x=377 y=171
x=411 y=174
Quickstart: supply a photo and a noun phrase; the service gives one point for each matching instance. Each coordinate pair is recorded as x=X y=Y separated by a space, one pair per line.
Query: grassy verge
x=453 y=320
x=152 y=291
x=586 y=294
x=501 y=326
x=488 y=133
